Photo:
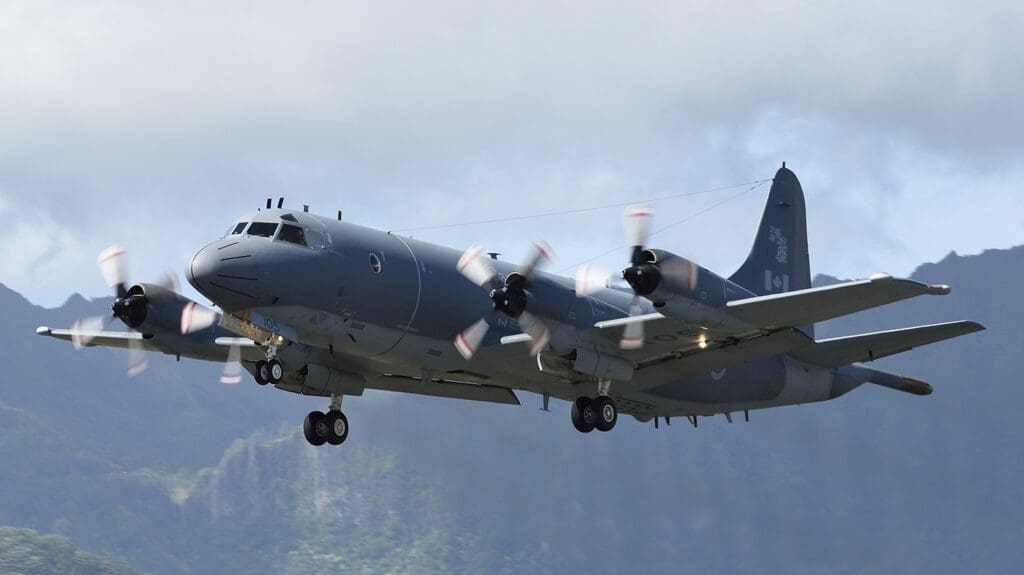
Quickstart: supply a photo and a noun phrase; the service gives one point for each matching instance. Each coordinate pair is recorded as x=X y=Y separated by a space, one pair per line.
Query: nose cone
x=227 y=274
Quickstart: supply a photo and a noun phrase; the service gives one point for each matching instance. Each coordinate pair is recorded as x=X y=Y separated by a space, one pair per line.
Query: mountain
x=178 y=474
x=25 y=552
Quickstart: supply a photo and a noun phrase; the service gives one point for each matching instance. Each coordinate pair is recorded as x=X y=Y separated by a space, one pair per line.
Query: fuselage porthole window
x=375 y=263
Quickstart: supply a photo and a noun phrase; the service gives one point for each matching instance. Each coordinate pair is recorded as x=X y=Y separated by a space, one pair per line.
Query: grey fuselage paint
x=392 y=305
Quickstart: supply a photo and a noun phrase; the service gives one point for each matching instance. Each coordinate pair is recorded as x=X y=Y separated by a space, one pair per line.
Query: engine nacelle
x=151 y=308
x=686 y=291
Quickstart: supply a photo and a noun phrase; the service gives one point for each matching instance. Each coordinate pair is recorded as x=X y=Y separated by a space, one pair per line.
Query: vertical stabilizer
x=779 y=262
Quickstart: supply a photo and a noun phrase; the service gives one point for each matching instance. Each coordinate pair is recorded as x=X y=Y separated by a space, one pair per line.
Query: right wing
x=840 y=351
x=807 y=306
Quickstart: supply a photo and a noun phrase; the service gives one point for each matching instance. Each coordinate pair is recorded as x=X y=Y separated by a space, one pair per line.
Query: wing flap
x=449 y=389
x=719 y=355
x=812 y=305
x=840 y=351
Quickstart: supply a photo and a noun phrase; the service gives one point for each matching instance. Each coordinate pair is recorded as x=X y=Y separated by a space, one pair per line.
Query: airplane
x=319 y=306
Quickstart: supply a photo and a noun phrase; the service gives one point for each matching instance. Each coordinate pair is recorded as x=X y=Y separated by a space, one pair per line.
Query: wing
x=871 y=346
x=122 y=339
x=812 y=305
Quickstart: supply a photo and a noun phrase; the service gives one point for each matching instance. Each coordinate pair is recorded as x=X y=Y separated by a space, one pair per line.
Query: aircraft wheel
x=605 y=413
x=262 y=372
x=275 y=371
x=337 y=427
x=314 y=428
x=583 y=415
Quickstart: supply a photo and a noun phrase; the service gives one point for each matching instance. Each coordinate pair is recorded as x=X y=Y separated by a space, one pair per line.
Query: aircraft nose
x=202 y=269
x=227 y=274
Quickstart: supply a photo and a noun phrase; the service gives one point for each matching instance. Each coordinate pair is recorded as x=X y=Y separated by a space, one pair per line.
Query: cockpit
x=287 y=229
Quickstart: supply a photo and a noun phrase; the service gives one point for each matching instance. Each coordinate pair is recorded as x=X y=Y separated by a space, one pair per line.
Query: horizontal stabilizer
x=812 y=305
x=871 y=346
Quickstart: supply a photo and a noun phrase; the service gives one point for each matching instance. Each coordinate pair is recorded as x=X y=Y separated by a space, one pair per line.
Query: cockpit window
x=238 y=228
x=292 y=234
x=262 y=229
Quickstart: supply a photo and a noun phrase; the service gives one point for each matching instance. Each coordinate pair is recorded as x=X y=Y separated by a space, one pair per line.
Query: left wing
x=121 y=339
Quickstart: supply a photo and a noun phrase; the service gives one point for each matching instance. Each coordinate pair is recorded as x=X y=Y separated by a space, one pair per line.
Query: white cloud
x=156 y=124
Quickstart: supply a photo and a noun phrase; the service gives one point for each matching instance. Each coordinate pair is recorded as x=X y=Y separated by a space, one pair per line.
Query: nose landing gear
x=271 y=370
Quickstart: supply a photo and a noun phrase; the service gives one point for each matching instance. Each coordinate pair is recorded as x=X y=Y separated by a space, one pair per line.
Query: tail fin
x=779 y=262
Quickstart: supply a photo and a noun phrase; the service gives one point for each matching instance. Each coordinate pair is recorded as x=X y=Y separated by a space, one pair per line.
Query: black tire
x=580 y=410
x=311 y=426
x=261 y=372
x=337 y=427
x=275 y=371
x=605 y=413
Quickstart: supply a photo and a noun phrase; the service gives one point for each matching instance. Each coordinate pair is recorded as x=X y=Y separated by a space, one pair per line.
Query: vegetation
x=25 y=552
x=177 y=474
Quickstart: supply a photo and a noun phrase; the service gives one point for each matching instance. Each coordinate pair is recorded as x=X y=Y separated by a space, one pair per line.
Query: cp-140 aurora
x=322 y=307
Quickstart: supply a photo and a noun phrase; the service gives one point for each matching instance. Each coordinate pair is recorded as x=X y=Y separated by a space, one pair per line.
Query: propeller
x=508 y=297
x=643 y=274
x=130 y=306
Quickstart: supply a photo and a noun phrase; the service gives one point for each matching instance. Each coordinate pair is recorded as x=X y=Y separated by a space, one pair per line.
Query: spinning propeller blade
x=232 y=374
x=195 y=317
x=468 y=341
x=591 y=279
x=633 y=334
x=137 y=360
x=476 y=267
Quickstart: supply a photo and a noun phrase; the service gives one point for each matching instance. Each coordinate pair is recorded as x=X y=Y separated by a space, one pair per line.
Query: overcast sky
x=155 y=124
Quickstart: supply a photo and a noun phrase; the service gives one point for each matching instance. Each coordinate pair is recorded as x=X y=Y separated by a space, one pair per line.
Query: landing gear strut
x=330 y=427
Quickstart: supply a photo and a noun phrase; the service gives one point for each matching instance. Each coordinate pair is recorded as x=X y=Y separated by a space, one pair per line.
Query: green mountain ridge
x=180 y=475
x=26 y=552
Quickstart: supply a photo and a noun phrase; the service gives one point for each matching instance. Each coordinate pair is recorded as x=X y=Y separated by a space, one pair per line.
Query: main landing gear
x=331 y=427
x=599 y=413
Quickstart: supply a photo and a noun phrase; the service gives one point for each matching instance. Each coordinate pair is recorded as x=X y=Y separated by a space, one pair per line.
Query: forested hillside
x=177 y=474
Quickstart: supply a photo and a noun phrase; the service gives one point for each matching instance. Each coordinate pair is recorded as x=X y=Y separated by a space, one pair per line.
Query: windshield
x=262 y=229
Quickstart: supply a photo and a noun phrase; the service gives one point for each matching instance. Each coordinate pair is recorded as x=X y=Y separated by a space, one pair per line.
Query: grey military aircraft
x=319 y=306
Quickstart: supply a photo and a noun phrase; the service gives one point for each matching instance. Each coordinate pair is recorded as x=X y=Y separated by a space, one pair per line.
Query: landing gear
x=262 y=372
x=599 y=413
x=607 y=414
x=331 y=427
x=270 y=370
x=275 y=371
x=583 y=416
x=590 y=414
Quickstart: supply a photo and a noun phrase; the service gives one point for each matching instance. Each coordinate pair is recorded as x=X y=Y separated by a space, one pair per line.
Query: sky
x=154 y=125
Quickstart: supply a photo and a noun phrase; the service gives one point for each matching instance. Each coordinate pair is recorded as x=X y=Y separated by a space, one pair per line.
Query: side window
x=291 y=234
x=375 y=266
x=238 y=228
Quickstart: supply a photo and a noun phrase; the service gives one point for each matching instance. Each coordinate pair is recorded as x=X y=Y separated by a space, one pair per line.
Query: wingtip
x=43 y=330
x=915 y=386
x=941 y=289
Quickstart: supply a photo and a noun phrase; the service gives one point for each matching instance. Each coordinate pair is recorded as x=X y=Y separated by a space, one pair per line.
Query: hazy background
x=155 y=125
